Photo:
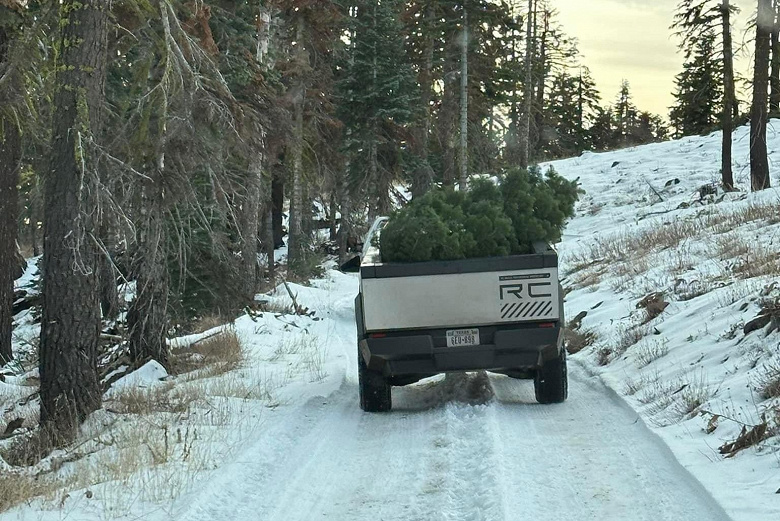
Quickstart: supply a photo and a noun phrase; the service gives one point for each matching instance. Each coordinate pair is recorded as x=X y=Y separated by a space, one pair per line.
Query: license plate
x=462 y=337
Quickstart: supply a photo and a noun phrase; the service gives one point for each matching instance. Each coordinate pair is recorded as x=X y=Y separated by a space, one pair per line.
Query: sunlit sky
x=631 y=39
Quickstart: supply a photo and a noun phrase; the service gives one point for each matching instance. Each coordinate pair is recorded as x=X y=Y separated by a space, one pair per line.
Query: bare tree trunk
x=295 y=233
x=512 y=148
x=774 y=77
x=525 y=122
x=147 y=318
x=540 y=83
x=580 y=110
x=277 y=209
x=447 y=129
x=464 y=103
x=759 y=164
x=70 y=326
x=373 y=176
x=295 y=239
x=423 y=177
x=33 y=216
x=250 y=217
x=345 y=202
x=729 y=100
x=109 y=296
x=107 y=272
x=10 y=158
x=332 y=221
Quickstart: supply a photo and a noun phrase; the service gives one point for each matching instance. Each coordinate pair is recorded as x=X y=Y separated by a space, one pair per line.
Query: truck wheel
x=551 y=381
x=375 y=393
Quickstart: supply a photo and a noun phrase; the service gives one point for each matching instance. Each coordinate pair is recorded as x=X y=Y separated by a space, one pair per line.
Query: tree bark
x=345 y=203
x=295 y=233
x=540 y=82
x=268 y=231
x=295 y=238
x=250 y=217
x=147 y=318
x=774 y=76
x=759 y=164
x=332 y=220
x=729 y=100
x=525 y=121
x=70 y=326
x=421 y=182
x=464 y=103
x=373 y=176
x=10 y=161
x=448 y=126
x=277 y=209
x=109 y=296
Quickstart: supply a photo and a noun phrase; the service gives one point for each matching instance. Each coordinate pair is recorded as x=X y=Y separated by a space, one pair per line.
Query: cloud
x=626 y=39
x=645 y=5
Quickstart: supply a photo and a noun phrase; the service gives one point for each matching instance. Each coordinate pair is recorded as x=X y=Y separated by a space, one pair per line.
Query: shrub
x=488 y=221
x=769 y=382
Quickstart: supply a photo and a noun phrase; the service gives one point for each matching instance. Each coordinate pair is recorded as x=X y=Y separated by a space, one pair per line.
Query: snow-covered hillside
x=648 y=223
x=267 y=425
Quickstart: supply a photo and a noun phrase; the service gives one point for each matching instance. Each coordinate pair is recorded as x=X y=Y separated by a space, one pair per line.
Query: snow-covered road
x=470 y=447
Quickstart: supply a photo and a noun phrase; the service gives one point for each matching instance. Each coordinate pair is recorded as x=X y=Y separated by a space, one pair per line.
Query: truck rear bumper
x=425 y=353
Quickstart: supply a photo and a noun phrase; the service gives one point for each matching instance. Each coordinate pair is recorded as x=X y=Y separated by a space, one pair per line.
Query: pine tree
x=10 y=163
x=70 y=324
x=421 y=21
x=697 y=19
x=556 y=53
x=625 y=115
x=569 y=111
x=376 y=98
x=699 y=94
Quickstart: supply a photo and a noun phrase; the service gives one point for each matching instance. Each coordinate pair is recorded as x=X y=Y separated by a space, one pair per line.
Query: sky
x=631 y=39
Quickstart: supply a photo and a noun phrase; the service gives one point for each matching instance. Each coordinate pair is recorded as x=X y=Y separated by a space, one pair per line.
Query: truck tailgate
x=460 y=300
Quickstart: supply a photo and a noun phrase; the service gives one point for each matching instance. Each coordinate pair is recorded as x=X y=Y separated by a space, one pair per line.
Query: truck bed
x=461 y=293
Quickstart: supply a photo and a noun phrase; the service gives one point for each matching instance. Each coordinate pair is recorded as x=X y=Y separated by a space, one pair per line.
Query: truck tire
x=375 y=394
x=551 y=380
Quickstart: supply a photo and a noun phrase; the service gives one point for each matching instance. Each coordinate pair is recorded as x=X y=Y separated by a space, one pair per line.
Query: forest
x=176 y=145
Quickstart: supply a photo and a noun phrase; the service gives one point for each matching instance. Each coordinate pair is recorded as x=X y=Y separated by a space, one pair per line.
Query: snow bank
x=650 y=222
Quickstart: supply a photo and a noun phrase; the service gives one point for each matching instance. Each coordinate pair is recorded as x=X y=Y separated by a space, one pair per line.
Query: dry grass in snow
x=643 y=228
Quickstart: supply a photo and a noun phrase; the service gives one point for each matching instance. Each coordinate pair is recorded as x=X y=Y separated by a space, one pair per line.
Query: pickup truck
x=416 y=320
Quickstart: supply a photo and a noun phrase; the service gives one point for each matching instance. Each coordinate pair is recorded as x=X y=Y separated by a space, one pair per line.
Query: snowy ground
x=643 y=227
x=278 y=435
x=458 y=448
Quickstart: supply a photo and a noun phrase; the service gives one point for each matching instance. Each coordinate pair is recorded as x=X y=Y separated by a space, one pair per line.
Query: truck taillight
x=377 y=335
x=547 y=324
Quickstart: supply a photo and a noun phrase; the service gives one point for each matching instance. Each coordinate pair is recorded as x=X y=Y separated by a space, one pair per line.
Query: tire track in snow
x=451 y=451
x=463 y=473
x=589 y=459
x=233 y=492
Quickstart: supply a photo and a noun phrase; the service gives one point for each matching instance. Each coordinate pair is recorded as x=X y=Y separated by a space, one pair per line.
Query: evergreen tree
x=377 y=97
x=570 y=111
x=694 y=22
x=625 y=113
x=699 y=93
x=70 y=325
x=487 y=221
x=10 y=164
x=602 y=132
